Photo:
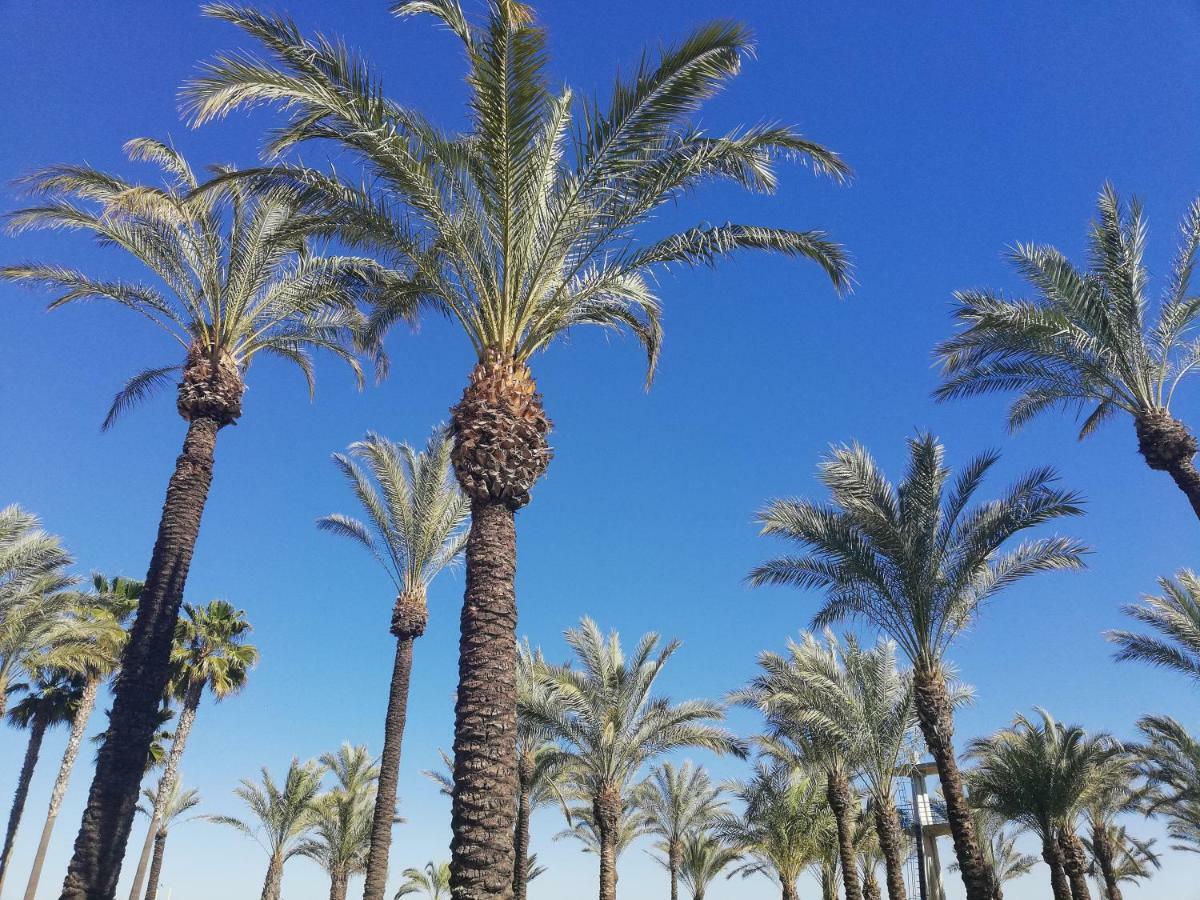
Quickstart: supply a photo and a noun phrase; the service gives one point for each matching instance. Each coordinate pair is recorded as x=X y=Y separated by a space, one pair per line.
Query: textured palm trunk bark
x=936 y=718
x=338 y=883
x=674 y=860
x=789 y=892
x=160 y=848
x=273 y=883
x=1052 y=856
x=37 y=731
x=841 y=802
x=1169 y=446
x=1074 y=864
x=1104 y=858
x=170 y=778
x=100 y=846
x=521 y=832
x=871 y=889
x=87 y=703
x=409 y=618
x=606 y=812
x=891 y=844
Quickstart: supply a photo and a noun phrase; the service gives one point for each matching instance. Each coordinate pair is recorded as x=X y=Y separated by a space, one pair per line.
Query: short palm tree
x=211 y=654
x=1116 y=792
x=433 y=881
x=519 y=230
x=581 y=827
x=1169 y=758
x=281 y=816
x=415 y=515
x=999 y=843
x=919 y=562
x=1176 y=617
x=1088 y=340
x=171 y=810
x=1132 y=860
x=51 y=700
x=1040 y=774
x=342 y=818
x=679 y=803
x=704 y=857
x=610 y=725
x=238 y=279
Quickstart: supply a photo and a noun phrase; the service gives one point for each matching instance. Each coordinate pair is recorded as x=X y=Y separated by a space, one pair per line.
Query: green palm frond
x=211 y=651
x=1176 y=617
x=1170 y=760
x=280 y=814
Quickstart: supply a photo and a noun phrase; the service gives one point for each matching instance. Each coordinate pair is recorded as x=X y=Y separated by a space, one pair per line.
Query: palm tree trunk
x=674 y=858
x=936 y=718
x=871 y=888
x=1052 y=854
x=104 y=831
x=887 y=827
x=789 y=892
x=337 y=885
x=87 y=702
x=37 y=731
x=841 y=802
x=409 y=618
x=273 y=883
x=606 y=812
x=1074 y=863
x=1104 y=857
x=521 y=840
x=160 y=847
x=166 y=784
x=1169 y=446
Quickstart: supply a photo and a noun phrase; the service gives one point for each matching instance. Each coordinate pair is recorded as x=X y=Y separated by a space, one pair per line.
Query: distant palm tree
x=704 y=857
x=1176 y=617
x=610 y=725
x=1169 y=758
x=415 y=515
x=1000 y=852
x=281 y=815
x=581 y=827
x=175 y=804
x=1086 y=341
x=240 y=281
x=1131 y=860
x=51 y=700
x=521 y=229
x=210 y=654
x=342 y=818
x=433 y=881
x=679 y=803
x=917 y=561
x=1116 y=793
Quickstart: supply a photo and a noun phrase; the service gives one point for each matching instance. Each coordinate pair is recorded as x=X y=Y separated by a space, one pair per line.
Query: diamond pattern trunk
x=1169 y=446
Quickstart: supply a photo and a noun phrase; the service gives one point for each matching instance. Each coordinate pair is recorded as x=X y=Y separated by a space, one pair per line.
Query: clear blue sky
x=969 y=126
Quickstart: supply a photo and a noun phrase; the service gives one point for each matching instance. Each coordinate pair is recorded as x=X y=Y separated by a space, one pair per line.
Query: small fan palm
x=1089 y=340
x=1170 y=760
x=679 y=803
x=919 y=562
x=233 y=277
x=174 y=805
x=433 y=881
x=610 y=725
x=1176 y=617
x=281 y=816
x=703 y=858
x=415 y=515
x=342 y=818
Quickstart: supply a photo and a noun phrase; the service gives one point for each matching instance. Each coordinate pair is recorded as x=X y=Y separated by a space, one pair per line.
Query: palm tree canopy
x=433 y=881
x=51 y=699
x=705 y=856
x=174 y=805
x=1170 y=760
x=32 y=561
x=528 y=224
x=1088 y=340
x=211 y=650
x=279 y=814
x=93 y=631
x=678 y=801
x=235 y=270
x=341 y=825
x=916 y=559
x=414 y=509
x=581 y=826
x=1176 y=617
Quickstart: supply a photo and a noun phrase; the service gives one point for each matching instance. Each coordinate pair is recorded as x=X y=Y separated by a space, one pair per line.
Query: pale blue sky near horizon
x=969 y=127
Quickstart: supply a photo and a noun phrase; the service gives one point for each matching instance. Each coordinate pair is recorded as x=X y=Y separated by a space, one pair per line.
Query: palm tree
x=240 y=280
x=210 y=654
x=1000 y=852
x=609 y=725
x=1176 y=617
x=1132 y=860
x=433 y=881
x=176 y=803
x=52 y=700
x=678 y=804
x=582 y=827
x=780 y=827
x=518 y=230
x=415 y=514
x=282 y=816
x=1169 y=758
x=1085 y=341
x=704 y=857
x=1115 y=793
x=342 y=818
x=1040 y=775
x=919 y=562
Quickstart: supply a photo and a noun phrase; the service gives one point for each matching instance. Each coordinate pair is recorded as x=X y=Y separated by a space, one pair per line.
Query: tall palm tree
x=1088 y=340
x=210 y=654
x=52 y=700
x=1132 y=860
x=342 y=818
x=1176 y=617
x=781 y=825
x=1040 y=774
x=433 y=881
x=999 y=843
x=177 y=803
x=238 y=279
x=703 y=858
x=678 y=803
x=281 y=816
x=609 y=725
x=518 y=230
x=414 y=530
x=1169 y=758
x=919 y=562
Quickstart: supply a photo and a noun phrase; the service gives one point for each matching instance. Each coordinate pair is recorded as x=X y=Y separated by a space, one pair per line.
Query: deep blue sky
x=969 y=126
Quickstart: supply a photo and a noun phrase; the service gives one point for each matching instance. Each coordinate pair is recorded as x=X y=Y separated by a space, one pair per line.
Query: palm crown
x=1176 y=617
x=211 y=650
